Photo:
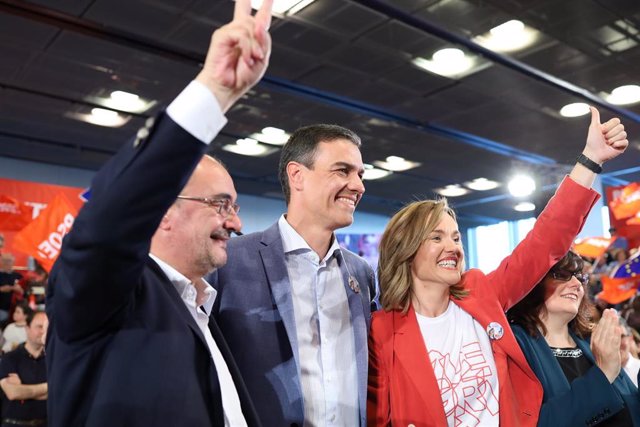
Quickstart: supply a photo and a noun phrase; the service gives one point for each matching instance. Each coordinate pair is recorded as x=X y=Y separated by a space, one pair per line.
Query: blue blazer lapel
x=556 y=381
x=360 y=327
x=272 y=256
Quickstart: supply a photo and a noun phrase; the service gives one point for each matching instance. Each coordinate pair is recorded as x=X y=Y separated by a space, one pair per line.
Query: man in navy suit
x=130 y=341
x=292 y=305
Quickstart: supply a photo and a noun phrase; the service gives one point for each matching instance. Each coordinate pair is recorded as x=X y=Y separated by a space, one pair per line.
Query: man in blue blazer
x=130 y=341
x=295 y=307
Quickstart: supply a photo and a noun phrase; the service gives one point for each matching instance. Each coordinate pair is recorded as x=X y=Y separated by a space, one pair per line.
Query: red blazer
x=402 y=387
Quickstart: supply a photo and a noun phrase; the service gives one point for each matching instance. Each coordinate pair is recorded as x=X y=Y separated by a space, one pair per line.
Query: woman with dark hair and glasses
x=582 y=379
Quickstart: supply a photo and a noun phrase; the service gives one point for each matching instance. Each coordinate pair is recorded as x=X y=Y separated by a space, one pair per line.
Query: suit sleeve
x=103 y=256
x=378 y=389
x=548 y=241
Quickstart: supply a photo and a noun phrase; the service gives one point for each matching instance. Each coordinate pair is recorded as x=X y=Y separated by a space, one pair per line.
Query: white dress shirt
x=326 y=348
x=233 y=416
x=197 y=111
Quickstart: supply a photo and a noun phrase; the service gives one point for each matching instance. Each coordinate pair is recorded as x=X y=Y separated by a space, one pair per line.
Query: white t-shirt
x=13 y=335
x=462 y=360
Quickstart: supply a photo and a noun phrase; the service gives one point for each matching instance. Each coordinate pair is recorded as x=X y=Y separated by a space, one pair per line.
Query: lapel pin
x=353 y=284
x=495 y=331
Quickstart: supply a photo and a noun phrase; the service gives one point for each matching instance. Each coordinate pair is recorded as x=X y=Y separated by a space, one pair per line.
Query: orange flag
x=593 y=247
x=617 y=290
x=42 y=238
x=634 y=220
x=627 y=204
x=14 y=215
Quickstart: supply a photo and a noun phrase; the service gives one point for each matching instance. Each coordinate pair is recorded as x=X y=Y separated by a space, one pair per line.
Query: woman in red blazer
x=441 y=353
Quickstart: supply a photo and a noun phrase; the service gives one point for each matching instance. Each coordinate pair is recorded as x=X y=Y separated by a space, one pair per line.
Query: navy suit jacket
x=254 y=309
x=587 y=400
x=122 y=348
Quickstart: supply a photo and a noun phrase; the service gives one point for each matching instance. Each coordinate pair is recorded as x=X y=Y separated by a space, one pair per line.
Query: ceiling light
x=576 y=109
x=121 y=100
x=453 y=190
x=104 y=114
x=447 y=62
x=249 y=147
x=284 y=7
x=371 y=172
x=271 y=135
x=525 y=207
x=127 y=101
x=100 y=117
x=482 y=184
x=521 y=185
x=508 y=37
x=511 y=28
x=396 y=164
x=625 y=95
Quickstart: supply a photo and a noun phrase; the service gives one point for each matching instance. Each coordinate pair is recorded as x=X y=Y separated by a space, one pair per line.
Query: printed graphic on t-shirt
x=464 y=379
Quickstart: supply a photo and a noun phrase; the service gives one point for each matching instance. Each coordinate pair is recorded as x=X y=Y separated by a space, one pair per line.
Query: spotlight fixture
x=284 y=7
x=482 y=184
x=271 y=135
x=625 y=95
x=396 y=164
x=453 y=190
x=524 y=207
x=448 y=62
x=510 y=36
x=371 y=173
x=122 y=101
x=100 y=117
x=521 y=186
x=249 y=147
x=576 y=109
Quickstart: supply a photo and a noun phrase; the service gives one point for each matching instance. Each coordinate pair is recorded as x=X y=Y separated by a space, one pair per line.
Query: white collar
x=292 y=241
x=185 y=288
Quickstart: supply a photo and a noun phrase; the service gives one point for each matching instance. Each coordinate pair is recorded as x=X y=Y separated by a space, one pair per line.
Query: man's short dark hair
x=302 y=146
x=32 y=315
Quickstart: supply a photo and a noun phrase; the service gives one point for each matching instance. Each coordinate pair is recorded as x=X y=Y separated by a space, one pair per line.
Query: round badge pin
x=495 y=331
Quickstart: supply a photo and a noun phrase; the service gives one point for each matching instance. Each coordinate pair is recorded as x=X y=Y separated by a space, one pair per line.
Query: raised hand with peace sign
x=238 y=54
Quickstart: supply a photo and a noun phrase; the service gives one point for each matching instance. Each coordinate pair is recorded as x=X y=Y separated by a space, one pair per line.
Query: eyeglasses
x=565 y=276
x=222 y=205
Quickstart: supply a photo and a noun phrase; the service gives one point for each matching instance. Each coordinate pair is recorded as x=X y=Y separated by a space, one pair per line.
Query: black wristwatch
x=588 y=163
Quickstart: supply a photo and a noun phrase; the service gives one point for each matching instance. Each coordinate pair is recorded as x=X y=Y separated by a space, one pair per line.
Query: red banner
x=14 y=215
x=42 y=238
x=35 y=196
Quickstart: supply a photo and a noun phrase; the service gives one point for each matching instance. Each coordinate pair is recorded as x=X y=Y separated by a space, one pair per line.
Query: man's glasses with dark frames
x=222 y=205
x=565 y=276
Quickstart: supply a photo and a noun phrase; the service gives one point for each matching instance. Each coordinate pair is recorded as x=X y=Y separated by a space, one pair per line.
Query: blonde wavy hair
x=402 y=238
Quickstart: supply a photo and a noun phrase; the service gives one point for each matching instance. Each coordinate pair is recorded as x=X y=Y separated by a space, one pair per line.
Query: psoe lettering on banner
x=50 y=248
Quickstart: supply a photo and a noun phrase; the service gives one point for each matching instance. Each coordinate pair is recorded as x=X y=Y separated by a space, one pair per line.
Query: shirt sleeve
x=197 y=111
